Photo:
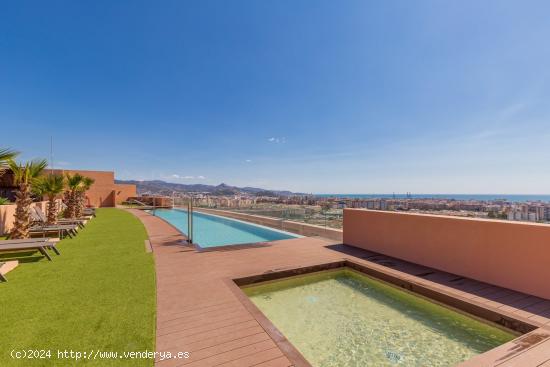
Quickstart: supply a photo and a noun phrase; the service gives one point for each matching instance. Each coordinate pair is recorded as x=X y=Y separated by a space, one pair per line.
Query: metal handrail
x=190 y=220
x=134 y=201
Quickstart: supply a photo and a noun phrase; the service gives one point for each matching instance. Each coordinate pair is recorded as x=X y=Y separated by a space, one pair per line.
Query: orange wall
x=508 y=254
x=124 y=191
x=7 y=215
x=104 y=191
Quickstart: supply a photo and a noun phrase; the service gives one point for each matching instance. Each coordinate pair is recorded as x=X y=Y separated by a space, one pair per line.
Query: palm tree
x=85 y=185
x=24 y=176
x=5 y=156
x=50 y=186
x=74 y=183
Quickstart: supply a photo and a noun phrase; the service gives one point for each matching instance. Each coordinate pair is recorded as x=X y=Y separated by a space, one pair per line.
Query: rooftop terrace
x=201 y=310
x=100 y=291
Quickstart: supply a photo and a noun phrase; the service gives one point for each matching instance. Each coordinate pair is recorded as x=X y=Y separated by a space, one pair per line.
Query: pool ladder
x=190 y=221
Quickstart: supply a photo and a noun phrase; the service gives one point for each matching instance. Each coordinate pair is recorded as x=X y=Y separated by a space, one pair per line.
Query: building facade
x=103 y=193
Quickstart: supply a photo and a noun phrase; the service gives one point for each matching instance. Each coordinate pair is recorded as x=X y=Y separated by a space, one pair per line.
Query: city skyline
x=360 y=97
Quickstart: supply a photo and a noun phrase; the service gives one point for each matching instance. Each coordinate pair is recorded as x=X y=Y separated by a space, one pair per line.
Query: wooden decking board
x=183 y=325
x=495 y=294
x=544 y=320
x=202 y=328
x=236 y=354
x=255 y=359
x=521 y=303
x=534 y=310
x=199 y=313
x=224 y=338
x=216 y=340
x=170 y=340
x=229 y=346
x=537 y=355
x=532 y=343
x=277 y=362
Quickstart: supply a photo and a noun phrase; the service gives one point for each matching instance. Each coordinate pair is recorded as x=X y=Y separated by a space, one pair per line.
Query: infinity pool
x=212 y=230
x=343 y=318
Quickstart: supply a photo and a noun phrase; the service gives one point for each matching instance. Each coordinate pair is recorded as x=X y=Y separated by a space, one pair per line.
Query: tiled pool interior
x=213 y=231
x=345 y=318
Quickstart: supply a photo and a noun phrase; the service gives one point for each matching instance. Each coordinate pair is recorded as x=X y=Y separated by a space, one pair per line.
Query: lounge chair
x=39 y=217
x=61 y=230
x=40 y=244
x=2 y=277
x=87 y=213
x=39 y=226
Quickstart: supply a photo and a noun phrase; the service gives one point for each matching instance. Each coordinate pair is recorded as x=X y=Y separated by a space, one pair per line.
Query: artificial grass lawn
x=98 y=295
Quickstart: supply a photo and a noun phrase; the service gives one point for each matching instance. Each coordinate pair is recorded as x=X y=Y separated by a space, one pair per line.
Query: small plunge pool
x=343 y=318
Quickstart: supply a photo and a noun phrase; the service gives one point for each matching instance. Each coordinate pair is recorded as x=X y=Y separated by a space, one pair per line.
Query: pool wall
x=516 y=324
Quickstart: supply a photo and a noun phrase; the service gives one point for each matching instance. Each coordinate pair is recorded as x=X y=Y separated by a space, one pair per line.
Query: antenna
x=51 y=154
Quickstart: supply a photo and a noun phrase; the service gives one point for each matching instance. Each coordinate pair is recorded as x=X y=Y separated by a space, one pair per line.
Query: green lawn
x=98 y=295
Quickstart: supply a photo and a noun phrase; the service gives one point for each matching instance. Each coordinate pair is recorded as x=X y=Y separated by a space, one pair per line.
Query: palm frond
x=50 y=185
x=87 y=182
x=36 y=167
x=6 y=154
x=27 y=172
x=74 y=181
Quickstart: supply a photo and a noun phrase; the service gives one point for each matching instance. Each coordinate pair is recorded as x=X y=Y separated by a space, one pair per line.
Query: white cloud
x=189 y=177
x=248 y=160
x=276 y=140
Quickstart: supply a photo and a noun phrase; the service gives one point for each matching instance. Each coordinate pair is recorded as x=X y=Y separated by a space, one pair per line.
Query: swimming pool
x=213 y=231
x=345 y=318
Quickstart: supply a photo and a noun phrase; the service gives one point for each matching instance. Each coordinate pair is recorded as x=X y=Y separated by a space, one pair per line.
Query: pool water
x=344 y=318
x=213 y=231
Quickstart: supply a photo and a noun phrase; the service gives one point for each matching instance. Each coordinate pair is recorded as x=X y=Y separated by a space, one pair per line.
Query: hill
x=167 y=188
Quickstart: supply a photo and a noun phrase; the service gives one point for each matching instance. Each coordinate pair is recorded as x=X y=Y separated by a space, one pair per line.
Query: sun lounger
x=2 y=277
x=61 y=230
x=89 y=212
x=48 y=242
x=40 y=218
x=40 y=244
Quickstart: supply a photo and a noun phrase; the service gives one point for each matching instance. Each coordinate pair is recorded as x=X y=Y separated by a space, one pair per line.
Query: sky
x=310 y=96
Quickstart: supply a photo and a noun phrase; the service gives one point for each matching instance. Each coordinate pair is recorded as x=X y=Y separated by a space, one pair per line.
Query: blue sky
x=311 y=96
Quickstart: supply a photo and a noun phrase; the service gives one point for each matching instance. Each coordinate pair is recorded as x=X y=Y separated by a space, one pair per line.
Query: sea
x=479 y=197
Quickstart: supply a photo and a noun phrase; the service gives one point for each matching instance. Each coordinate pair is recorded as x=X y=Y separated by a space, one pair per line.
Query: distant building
x=103 y=193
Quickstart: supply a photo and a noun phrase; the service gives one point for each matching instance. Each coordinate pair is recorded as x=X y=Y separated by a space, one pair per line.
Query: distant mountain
x=167 y=188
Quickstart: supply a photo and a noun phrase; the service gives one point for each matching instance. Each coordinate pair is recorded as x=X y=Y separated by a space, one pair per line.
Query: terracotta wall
x=161 y=201
x=508 y=254
x=123 y=192
x=104 y=191
x=7 y=212
x=303 y=229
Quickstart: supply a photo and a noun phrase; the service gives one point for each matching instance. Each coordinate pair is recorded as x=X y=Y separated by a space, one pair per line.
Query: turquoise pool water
x=213 y=231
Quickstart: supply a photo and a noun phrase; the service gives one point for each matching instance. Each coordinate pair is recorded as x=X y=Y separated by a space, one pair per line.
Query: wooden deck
x=199 y=312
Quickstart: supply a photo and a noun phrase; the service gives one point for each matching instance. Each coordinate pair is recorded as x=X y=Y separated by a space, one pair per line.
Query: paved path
x=198 y=312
